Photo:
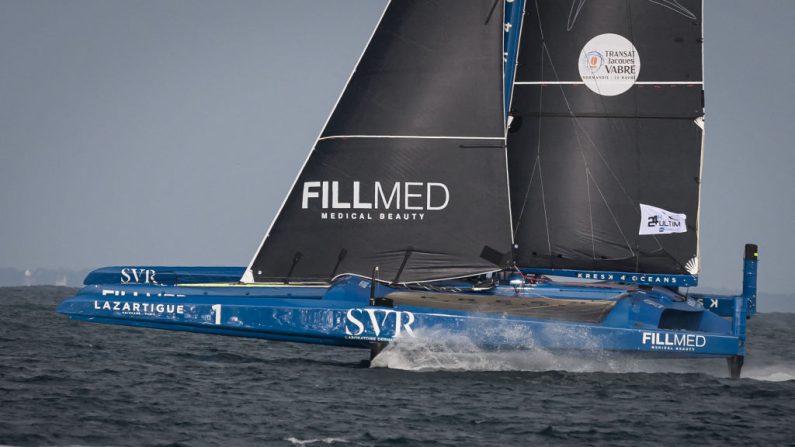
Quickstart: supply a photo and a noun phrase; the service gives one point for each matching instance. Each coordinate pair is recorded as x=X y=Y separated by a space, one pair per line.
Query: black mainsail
x=605 y=142
x=409 y=173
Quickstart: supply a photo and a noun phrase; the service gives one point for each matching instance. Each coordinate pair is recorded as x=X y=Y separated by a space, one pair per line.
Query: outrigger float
x=491 y=168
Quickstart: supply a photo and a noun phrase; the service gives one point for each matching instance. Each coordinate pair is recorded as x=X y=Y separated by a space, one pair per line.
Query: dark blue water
x=69 y=383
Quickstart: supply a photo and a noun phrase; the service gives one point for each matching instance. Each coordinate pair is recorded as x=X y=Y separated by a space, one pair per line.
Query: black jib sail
x=605 y=142
x=409 y=173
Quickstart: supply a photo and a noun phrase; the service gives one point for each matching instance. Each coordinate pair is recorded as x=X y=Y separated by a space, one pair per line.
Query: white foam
x=296 y=441
x=773 y=373
x=434 y=350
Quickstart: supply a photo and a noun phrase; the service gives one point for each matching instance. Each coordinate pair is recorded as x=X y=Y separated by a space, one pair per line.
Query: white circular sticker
x=609 y=64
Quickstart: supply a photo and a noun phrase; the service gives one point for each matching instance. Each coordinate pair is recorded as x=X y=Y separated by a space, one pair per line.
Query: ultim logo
x=662 y=222
x=408 y=196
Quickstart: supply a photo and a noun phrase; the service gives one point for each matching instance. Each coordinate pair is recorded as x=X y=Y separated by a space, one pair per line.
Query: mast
x=409 y=172
x=605 y=146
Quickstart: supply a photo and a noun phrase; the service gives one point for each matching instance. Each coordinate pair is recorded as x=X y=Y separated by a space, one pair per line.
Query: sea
x=65 y=383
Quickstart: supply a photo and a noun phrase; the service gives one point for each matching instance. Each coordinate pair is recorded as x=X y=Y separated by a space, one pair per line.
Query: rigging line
x=574 y=14
x=538 y=154
x=587 y=188
x=611 y=125
x=579 y=125
x=588 y=194
x=607 y=165
x=629 y=247
x=591 y=141
x=590 y=213
x=676 y=7
x=491 y=12
x=536 y=159
x=673 y=5
x=588 y=178
x=571 y=112
x=527 y=194
x=585 y=132
x=583 y=83
x=593 y=144
x=637 y=142
x=630 y=199
x=538 y=18
x=637 y=168
x=544 y=203
x=639 y=185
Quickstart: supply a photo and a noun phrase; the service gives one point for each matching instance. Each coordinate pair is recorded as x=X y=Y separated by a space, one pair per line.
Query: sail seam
x=583 y=83
x=409 y=137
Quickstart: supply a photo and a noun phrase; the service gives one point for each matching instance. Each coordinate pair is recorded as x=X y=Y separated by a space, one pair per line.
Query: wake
x=434 y=350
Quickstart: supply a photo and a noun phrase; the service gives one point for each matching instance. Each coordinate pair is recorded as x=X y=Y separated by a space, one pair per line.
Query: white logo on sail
x=398 y=201
x=609 y=64
x=655 y=220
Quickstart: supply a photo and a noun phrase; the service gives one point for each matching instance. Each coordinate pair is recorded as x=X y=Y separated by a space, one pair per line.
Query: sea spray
x=439 y=350
x=436 y=349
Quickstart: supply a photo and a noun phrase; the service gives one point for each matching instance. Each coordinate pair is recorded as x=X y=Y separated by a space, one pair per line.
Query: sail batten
x=583 y=83
x=410 y=137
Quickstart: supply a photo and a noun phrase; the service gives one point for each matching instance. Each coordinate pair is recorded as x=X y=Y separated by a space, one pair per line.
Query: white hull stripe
x=409 y=137
x=582 y=83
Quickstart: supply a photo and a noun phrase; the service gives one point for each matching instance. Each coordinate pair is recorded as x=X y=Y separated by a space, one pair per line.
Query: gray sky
x=168 y=132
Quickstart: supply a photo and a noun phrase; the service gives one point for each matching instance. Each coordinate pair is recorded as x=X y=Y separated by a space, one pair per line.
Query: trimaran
x=482 y=154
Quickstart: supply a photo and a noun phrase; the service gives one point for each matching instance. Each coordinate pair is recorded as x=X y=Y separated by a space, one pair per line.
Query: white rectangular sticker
x=655 y=220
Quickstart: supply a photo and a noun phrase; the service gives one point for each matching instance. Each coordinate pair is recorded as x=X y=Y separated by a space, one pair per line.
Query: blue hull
x=611 y=317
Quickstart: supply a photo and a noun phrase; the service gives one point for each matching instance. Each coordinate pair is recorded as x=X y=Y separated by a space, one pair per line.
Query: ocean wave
x=296 y=441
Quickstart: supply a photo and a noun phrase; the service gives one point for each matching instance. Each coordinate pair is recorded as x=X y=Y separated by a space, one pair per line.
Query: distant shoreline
x=11 y=277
